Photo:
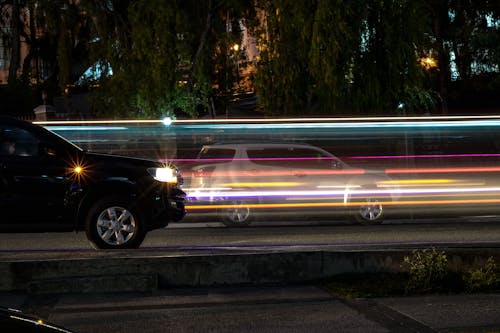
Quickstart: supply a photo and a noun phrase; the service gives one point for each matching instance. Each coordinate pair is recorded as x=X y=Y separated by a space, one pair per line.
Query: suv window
x=16 y=141
x=290 y=157
x=217 y=154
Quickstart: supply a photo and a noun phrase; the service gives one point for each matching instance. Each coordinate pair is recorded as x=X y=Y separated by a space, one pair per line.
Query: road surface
x=276 y=236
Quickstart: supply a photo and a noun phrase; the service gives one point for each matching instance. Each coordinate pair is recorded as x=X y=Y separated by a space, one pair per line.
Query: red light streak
x=289 y=172
x=443 y=170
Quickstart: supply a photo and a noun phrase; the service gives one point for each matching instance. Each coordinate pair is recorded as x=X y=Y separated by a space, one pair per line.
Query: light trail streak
x=216 y=160
x=419 y=182
x=441 y=170
x=314 y=172
x=347 y=125
x=430 y=121
x=342 y=204
x=92 y=122
x=289 y=172
x=420 y=156
x=365 y=157
x=318 y=193
x=264 y=184
x=86 y=128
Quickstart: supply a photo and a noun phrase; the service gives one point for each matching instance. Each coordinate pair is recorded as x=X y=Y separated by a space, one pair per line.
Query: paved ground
x=262 y=309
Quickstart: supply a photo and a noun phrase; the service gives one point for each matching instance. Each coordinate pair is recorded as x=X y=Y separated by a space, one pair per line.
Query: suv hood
x=118 y=159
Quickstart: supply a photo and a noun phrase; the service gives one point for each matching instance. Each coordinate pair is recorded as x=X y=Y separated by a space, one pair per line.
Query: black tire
x=370 y=212
x=113 y=223
x=239 y=216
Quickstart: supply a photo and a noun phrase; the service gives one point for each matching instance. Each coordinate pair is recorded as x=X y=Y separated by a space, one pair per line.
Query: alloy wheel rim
x=239 y=214
x=371 y=211
x=116 y=225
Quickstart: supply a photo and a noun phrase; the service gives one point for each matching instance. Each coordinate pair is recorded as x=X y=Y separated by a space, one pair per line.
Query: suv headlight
x=164 y=175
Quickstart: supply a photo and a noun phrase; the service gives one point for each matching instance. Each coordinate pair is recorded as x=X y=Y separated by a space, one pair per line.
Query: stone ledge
x=99 y=274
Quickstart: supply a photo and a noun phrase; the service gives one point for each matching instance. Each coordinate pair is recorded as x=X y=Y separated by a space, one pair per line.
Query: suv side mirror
x=336 y=164
x=47 y=149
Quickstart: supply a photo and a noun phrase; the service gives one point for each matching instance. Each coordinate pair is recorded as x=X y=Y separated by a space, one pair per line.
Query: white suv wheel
x=238 y=215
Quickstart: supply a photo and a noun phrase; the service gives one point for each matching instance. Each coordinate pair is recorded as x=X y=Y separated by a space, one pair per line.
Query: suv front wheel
x=112 y=223
x=371 y=211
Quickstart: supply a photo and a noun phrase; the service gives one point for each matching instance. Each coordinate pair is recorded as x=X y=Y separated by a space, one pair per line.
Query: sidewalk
x=262 y=309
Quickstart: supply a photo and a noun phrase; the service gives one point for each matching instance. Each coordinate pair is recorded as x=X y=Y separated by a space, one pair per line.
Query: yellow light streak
x=419 y=182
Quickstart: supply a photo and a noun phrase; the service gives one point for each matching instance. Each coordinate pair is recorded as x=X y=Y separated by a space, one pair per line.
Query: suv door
x=301 y=168
x=33 y=181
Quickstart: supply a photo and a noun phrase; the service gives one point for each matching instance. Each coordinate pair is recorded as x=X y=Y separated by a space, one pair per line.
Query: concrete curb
x=114 y=272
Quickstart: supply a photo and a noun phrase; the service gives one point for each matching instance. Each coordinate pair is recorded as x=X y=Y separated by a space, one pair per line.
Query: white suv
x=240 y=179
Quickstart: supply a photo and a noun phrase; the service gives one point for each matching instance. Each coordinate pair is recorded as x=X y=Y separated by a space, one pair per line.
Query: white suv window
x=217 y=154
x=291 y=157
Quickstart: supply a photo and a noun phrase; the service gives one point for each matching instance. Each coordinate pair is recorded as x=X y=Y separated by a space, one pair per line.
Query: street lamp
x=236 y=48
x=231 y=49
x=428 y=62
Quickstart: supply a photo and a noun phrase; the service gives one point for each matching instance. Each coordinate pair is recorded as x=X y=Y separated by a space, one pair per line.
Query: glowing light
x=428 y=62
x=167 y=121
x=165 y=174
x=78 y=169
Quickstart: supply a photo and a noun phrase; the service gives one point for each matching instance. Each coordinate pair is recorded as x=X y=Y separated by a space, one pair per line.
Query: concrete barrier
x=121 y=272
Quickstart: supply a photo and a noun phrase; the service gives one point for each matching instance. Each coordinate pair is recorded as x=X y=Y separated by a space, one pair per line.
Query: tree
x=164 y=54
x=334 y=45
x=472 y=40
x=171 y=58
x=54 y=33
x=283 y=79
x=340 y=56
x=386 y=71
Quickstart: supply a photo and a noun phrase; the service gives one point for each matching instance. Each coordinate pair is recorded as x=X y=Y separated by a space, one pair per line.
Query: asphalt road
x=275 y=235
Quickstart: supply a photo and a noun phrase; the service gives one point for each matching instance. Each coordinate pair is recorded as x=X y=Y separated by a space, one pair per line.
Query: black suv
x=48 y=183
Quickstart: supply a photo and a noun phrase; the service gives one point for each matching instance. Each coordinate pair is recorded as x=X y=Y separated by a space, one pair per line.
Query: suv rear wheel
x=239 y=215
x=112 y=223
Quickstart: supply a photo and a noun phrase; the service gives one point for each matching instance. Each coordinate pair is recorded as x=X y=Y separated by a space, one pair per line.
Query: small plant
x=427 y=270
x=482 y=279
